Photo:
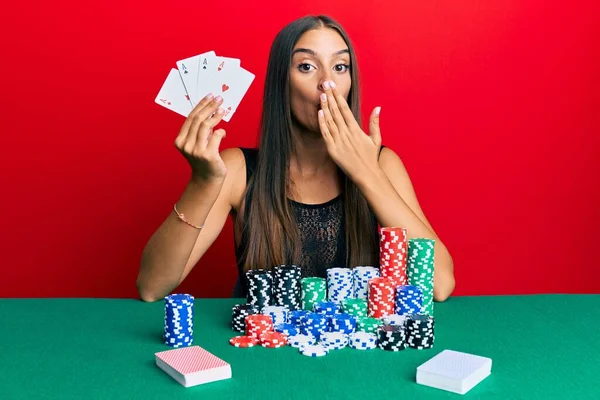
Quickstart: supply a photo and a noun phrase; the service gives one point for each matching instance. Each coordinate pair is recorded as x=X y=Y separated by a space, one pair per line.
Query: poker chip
x=260 y=288
x=287 y=329
x=287 y=291
x=420 y=269
x=279 y=314
x=393 y=252
x=409 y=300
x=420 y=331
x=391 y=338
x=360 y=279
x=368 y=324
x=333 y=340
x=295 y=316
x=326 y=308
x=298 y=340
x=178 y=321
x=344 y=323
x=362 y=341
x=314 y=290
x=340 y=285
x=314 y=324
x=243 y=341
x=355 y=307
x=394 y=319
x=239 y=314
x=381 y=297
x=258 y=324
x=273 y=340
x=315 y=350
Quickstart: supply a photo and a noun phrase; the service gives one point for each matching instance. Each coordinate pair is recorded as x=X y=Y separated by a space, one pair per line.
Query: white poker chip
x=299 y=340
x=315 y=350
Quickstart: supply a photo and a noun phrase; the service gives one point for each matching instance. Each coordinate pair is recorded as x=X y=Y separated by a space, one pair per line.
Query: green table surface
x=541 y=346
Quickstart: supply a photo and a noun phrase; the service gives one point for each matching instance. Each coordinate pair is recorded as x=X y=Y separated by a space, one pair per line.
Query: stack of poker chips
x=420 y=269
x=381 y=297
x=296 y=316
x=363 y=341
x=314 y=290
x=314 y=325
x=258 y=324
x=333 y=340
x=391 y=338
x=420 y=332
x=340 y=285
x=288 y=329
x=260 y=288
x=287 y=291
x=326 y=308
x=344 y=323
x=179 y=320
x=360 y=277
x=409 y=300
x=394 y=319
x=368 y=324
x=239 y=314
x=356 y=307
x=278 y=314
x=393 y=249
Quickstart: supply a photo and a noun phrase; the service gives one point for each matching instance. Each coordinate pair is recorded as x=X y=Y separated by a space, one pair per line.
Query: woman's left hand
x=355 y=152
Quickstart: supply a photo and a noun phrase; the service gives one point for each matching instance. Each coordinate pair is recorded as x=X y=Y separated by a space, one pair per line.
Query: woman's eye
x=304 y=67
x=344 y=67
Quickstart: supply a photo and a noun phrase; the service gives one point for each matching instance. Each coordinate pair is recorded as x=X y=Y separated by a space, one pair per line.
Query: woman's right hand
x=199 y=144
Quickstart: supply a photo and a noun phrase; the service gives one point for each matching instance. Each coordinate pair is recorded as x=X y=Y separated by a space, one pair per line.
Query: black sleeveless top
x=322 y=233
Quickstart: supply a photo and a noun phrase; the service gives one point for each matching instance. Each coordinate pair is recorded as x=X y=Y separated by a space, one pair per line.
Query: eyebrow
x=313 y=53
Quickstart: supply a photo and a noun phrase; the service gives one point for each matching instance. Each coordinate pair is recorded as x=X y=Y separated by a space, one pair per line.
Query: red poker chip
x=243 y=341
x=273 y=338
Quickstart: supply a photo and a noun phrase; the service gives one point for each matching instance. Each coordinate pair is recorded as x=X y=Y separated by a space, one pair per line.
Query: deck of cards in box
x=192 y=365
x=197 y=76
x=454 y=371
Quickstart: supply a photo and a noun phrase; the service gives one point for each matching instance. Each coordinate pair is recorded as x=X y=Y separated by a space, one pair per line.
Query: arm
x=390 y=194
x=175 y=248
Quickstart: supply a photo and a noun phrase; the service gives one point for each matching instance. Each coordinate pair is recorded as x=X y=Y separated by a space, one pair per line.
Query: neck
x=310 y=157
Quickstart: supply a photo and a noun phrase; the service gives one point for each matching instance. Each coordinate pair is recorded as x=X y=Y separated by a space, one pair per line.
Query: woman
x=314 y=191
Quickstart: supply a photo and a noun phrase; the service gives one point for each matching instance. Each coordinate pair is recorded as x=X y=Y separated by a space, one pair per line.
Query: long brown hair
x=268 y=225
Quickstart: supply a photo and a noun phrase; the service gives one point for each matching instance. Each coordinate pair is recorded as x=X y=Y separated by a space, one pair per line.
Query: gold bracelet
x=182 y=218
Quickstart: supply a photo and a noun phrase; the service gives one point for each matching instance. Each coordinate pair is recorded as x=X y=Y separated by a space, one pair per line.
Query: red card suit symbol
x=224 y=88
x=221 y=65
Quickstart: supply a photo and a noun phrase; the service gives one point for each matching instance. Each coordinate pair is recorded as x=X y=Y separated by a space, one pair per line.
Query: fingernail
x=332 y=83
x=218 y=99
x=209 y=96
x=377 y=110
x=326 y=84
x=323 y=97
x=220 y=111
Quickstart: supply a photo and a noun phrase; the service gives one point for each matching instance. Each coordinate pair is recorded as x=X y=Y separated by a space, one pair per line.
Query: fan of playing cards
x=197 y=76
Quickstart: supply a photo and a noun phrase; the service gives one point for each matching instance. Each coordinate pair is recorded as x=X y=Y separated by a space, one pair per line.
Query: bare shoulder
x=235 y=183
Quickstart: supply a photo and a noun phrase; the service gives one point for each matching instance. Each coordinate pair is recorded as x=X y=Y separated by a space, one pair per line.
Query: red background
x=491 y=105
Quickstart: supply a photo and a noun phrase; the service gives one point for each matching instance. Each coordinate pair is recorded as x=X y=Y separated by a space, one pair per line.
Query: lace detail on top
x=322 y=236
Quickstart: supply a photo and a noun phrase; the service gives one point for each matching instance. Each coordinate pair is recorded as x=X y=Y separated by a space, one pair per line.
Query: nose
x=324 y=78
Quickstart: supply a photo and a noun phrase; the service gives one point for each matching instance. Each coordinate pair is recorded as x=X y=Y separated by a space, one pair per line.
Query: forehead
x=324 y=41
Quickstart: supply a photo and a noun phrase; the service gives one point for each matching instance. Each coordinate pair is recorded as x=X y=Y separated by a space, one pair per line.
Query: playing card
x=189 y=70
x=231 y=82
x=192 y=365
x=226 y=62
x=173 y=96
